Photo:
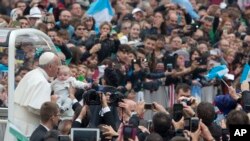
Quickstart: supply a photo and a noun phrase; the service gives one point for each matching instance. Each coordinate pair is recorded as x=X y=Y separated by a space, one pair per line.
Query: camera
x=91 y=97
x=194 y=124
x=139 y=61
x=209 y=19
x=246 y=101
x=187 y=101
x=115 y=98
x=149 y=106
x=191 y=124
x=199 y=60
x=169 y=60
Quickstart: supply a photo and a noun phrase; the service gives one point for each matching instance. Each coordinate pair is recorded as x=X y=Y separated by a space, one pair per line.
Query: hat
x=128 y=16
x=35 y=12
x=137 y=10
x=225 y=103
x=183 y=53
x=46 y=58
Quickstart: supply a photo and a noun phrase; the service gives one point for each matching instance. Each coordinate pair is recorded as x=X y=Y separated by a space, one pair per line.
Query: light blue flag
x=101 y=10
x=245 y=74
x=217 y=72
x=17 y=133
x=185 y=4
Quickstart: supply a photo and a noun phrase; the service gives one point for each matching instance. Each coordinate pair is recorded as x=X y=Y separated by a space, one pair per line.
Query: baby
x=60 y=87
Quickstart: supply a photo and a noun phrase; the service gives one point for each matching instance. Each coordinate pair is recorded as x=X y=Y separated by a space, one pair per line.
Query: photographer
x=108 y=43
x=141 y=77
x=183 y=96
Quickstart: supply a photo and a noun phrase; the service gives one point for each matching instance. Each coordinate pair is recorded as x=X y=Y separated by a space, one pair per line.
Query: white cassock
x=32 y=91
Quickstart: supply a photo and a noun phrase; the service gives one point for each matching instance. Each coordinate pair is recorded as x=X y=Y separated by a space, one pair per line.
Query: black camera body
x=187 y=101
x=115 y=98
x=92 y=97
x=169 y=61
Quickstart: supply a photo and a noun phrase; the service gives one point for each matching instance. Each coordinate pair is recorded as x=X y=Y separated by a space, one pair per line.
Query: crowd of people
x=140 y=76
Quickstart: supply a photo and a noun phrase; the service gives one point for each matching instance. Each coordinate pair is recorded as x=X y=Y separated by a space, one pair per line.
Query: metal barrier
x=162 y=96
x=3 y=120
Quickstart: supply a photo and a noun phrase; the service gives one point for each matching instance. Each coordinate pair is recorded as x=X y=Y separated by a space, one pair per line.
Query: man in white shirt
x=32 y=91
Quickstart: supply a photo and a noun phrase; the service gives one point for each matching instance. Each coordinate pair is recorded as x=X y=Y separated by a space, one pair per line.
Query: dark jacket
x=108 y=46
x=77 y=41
x=39 y=133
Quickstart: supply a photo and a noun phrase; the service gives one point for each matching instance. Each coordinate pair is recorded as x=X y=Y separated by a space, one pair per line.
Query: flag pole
x=225 y=82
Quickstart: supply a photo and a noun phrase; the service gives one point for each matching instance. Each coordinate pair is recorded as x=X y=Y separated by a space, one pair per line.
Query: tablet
x=85 y=134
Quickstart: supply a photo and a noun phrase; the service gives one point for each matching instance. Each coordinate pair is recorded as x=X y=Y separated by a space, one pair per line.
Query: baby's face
x=63 y=76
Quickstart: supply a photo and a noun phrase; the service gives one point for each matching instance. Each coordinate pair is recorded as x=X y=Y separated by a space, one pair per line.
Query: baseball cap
x=137 y=10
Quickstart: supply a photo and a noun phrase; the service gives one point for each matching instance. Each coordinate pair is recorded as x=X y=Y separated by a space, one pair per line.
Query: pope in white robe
x=32 y=91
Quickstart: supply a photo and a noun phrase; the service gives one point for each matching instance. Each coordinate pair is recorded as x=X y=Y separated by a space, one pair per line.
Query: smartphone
x=149 y=125
x=209 y=19
x=129 y=132
x=213 y=52
x=179 y=19
x=169 y=67
x=63 y=138
x=194 y=124
x=148 y=106
x=178 y=112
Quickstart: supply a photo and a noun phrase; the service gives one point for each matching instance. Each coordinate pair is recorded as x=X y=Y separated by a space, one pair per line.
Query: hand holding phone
x=149 y=106
x=178 y=112
x=194 y=124
x=129 y=132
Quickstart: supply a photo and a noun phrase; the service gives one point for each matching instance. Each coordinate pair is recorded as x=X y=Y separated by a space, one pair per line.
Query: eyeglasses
x=81 y=29
x=125 y=28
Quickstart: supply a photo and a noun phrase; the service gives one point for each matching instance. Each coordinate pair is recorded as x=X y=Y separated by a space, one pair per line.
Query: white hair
x=46 y=58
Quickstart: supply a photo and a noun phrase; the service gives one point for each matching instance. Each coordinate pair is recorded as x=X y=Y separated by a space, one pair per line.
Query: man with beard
x=49 y=115
x=64 y=22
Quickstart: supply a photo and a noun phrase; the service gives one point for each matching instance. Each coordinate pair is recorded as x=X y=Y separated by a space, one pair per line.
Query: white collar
x=45 y=127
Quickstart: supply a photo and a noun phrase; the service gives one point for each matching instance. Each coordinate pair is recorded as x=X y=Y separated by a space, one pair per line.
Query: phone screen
x=169 y=67
x=194 y=124
x=178 y=112
x=209 y=19
x=129 y=132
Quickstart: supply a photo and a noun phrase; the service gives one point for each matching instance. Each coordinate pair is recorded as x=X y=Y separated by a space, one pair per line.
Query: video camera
x=92 y=97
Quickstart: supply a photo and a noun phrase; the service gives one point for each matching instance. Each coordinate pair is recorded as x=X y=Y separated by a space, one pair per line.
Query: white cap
x=223 y=5
x=46 y=58
x=137 y=10
x=35 y=12
x=183 y=53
